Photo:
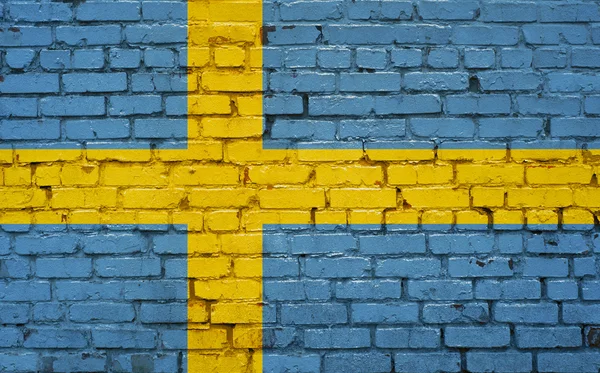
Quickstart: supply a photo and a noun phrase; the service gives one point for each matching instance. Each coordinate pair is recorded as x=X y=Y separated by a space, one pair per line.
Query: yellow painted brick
x=330 y=217
x=253 y=221
x=198 y=57
x=471 y=217
x=16 y=217
x=47 y=155
x=435 y=217
x=17 y=176
x=577 y=216
x=587 y=197
x=240 y=12
x=400 y=154
x=152 y=217
x=349 y=175
x=252 y=151
x=50 y=217
x=291 y=198
x=228 y=289
x=228 y=220
x=231 y=81
x=256 y=58
x=205 y=175
x=529 y=155
x=363 y=198
x=329 y=155
x=222 y=197
x=228 y=361
x=501 y=174
x=247 y=267
x=47 y=175
x=76 y=174
x=196 y=151
x=250 y=105
x=209 y=104
x=366 y=217
x=84 y=217
x=239 y=243
x=6 y=155
x=207 y=339
x=233 y=33
x=229 y=57
x=541 y=217
x=123 y=155
x=197 y=11
x=203 y=244
x=472 y=154
x=419 y=174
x=436 y=197
x=197 y=311
x=278 y=174
x=84 y=197
x=247 y=336
x=540 y=197
x=487 y=197
x=236 y=127
x=236 y=313
x=152 y=198
x=193 y=220
x=118 y=217
x=402 y=217
x=135 y=175
x=558 y=174
x=208 y=267
x=508 y=217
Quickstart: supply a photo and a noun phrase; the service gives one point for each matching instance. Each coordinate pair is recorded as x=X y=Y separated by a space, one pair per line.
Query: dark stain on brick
x=291 y=27
x=142 y=364
x=511 y=264
x=1 y=78
x=264 y=33
x=480 y=263
x=593 y=337
x=14 y=29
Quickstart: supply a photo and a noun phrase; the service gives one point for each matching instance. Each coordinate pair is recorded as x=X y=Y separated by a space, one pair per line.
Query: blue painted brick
x=368 y=289
x=371 y=58
x=310 y=11
x=50 y=244
x=300 y=58
x=155 y=290
x=334 y=58
x=380 y=128
x=508 y=289
x=122 y=338
x=444 y=128
x=275 y=363
x=427 y=362
x=550 y=58
x=89 y=35
x=546 y=267
x=407 y=337
x=499 y=362
x=548 y=337
x=346 y=267
x=314 y=314
x=568 y=362
x=302 y=82
x=73 y=106
x=407 y=57
x=44 y=12
x=101 y=312
x=56 y=338
x=448 y=10
x=63 y=267
x=164 y=10
x=432 y=81
x=510 y=127
x=88 y=59
x=479 y=58
x=163 y=313
x=159 y=58
x=29 y=83
x=554 y=34
x=280 y=267
x=125 y=58
x=485 y=35
x=584 y=267
x=160 y=128
x=114 y=243
x=296 y=290
x=131 y=105
x=10 y=337
x=97 y=129
x=538 y=313
x=590 y=290
x=574 y=313
x=127 y=267
x=19 y=58
x=558 y=244
x=369 y=82
x=392 y=244
x=85 y=82
x=337 y=338
x=283 y=104
x=440 y=290
x=18 y=107
x=323 y=243
x=445 y=313
x=156 y=34
x=55 y=59
x=442 y=58
x=477 y=336
x=14 y=313
x=303 y=129
x=109 y=11
x=460 y=243
x=509 y=12
x=357 y=362
x=509 y=81
x=516 y=58
x=39 y=129
x=473 y=267
x=161 y=363
x=24 y=36
x=387 y=313
x=77 y=362
x=408 y=268
x=478 y=104
x=46 y=312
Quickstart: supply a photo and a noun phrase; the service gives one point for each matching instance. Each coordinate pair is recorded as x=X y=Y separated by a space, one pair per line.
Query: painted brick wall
x=299 y=186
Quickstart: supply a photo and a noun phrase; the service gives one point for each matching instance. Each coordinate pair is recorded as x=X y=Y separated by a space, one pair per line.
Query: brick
x=389 y=313
x=337 y=338
x=440 y=290
x=357 y=362
x=499 y=361
x=430 y=362
x=472 y=336
x=548 y=337
x=101 y=312
x=541 y=313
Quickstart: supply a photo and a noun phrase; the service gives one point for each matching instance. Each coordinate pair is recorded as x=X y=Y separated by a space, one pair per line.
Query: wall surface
x=299 y=186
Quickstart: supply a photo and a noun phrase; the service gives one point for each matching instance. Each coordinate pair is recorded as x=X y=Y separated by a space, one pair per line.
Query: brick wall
x=299 y=186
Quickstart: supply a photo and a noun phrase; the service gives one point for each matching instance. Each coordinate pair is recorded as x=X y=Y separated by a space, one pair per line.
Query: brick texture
x=299 y=186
